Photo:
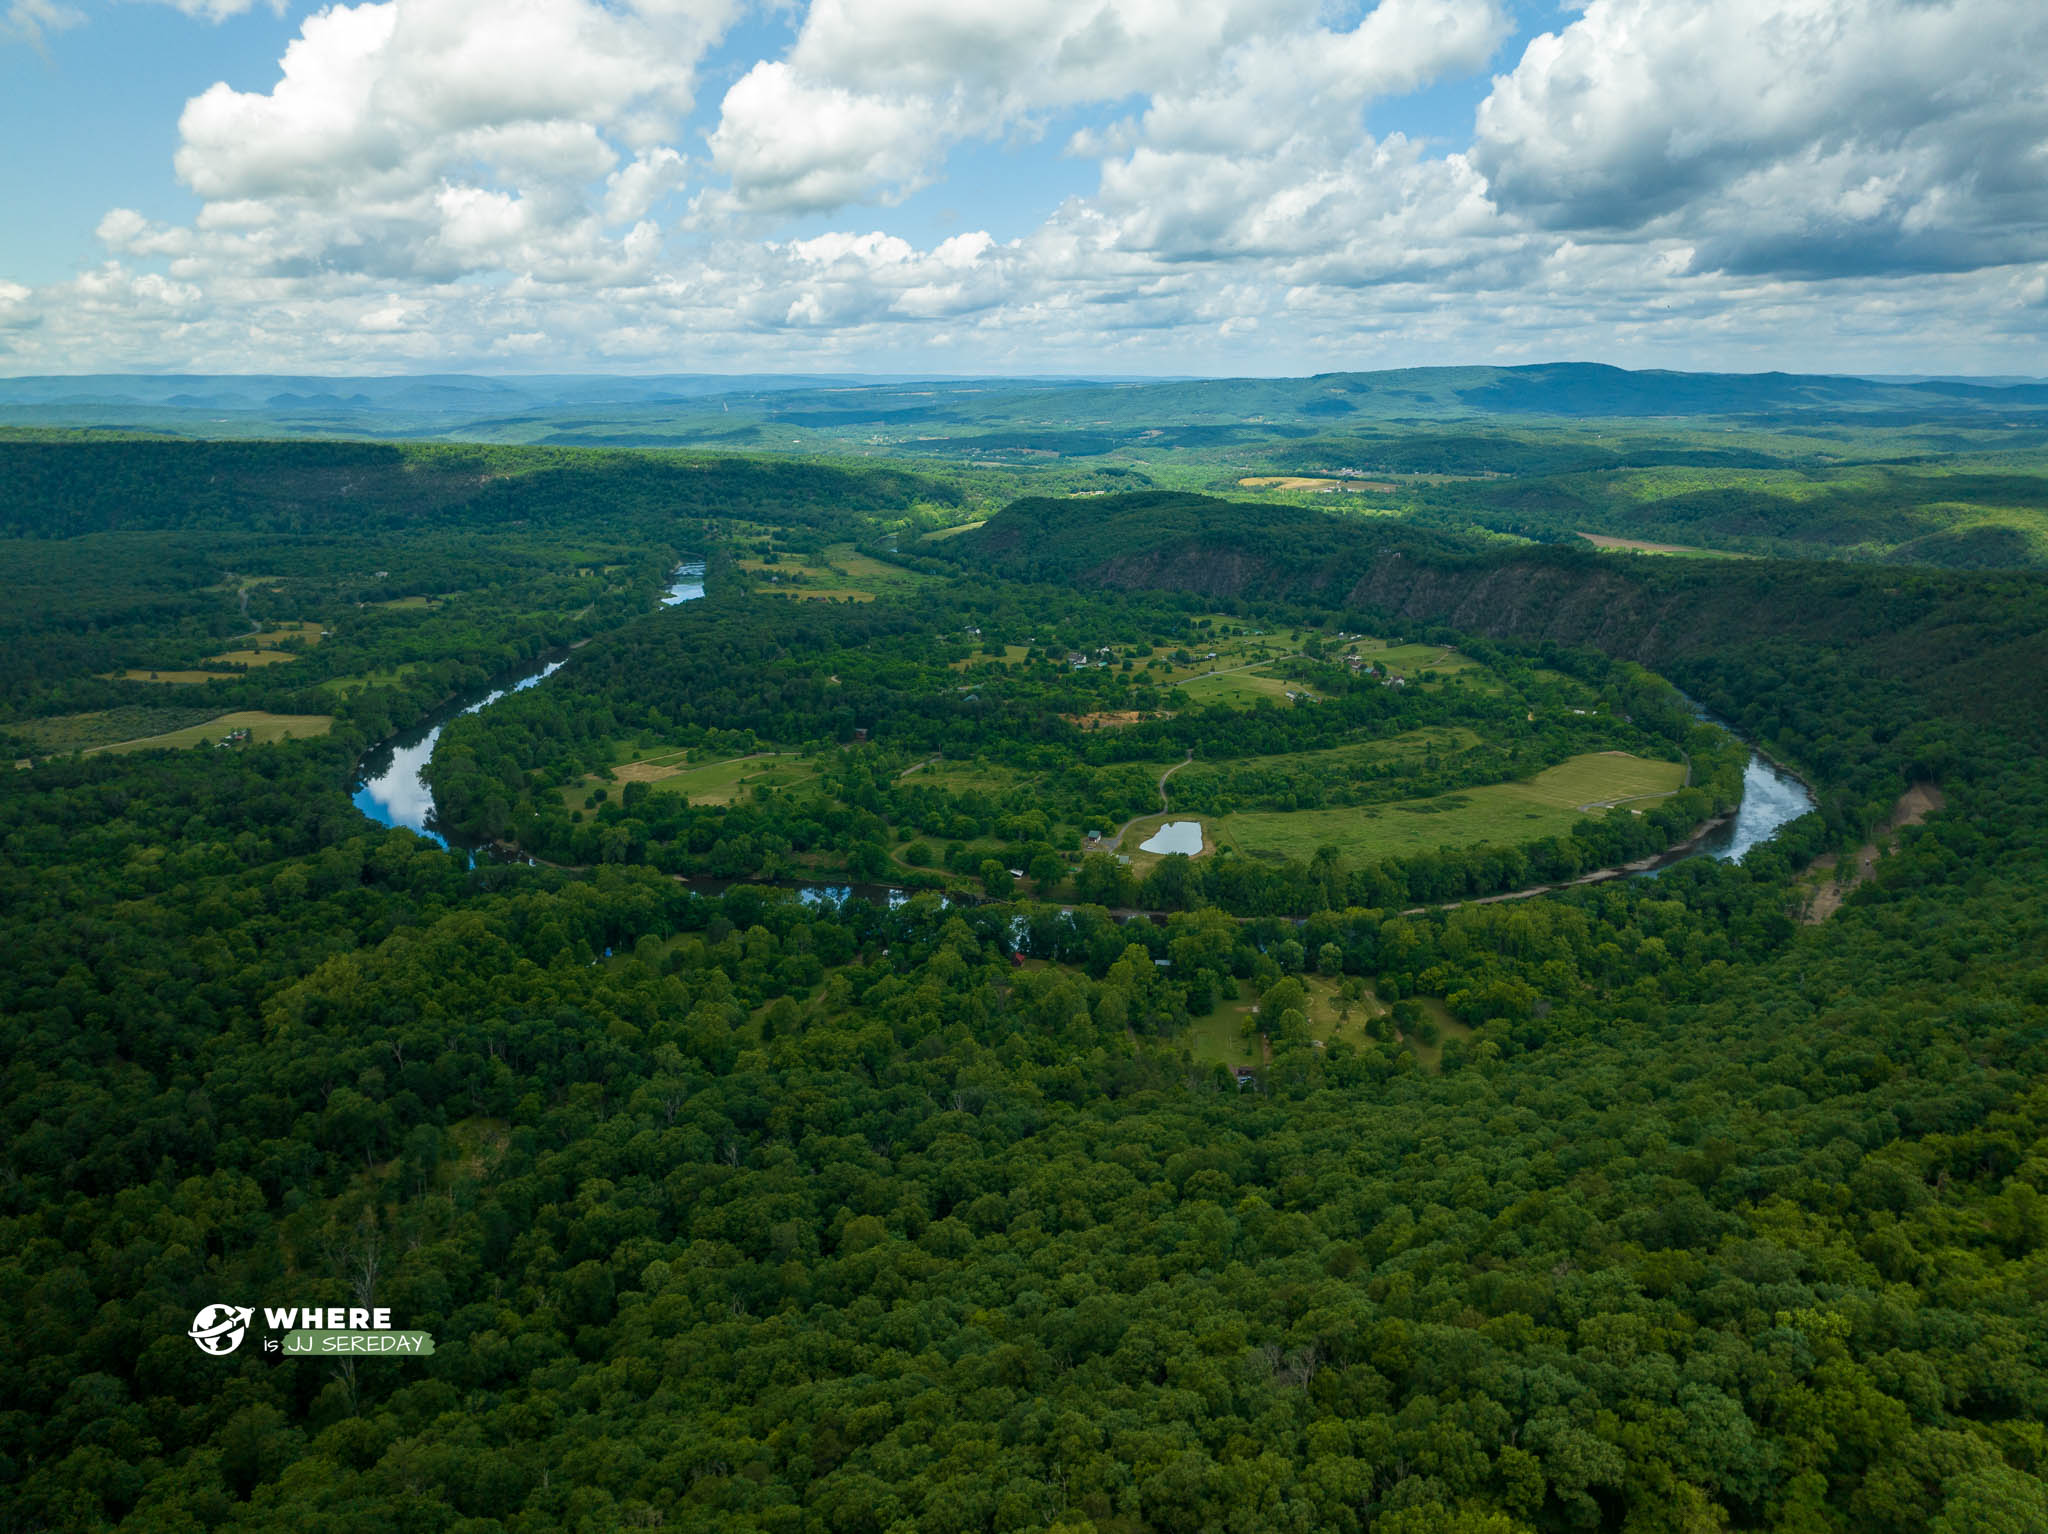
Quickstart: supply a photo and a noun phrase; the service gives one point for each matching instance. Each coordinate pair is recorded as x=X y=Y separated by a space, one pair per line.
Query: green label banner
x=359 y=1344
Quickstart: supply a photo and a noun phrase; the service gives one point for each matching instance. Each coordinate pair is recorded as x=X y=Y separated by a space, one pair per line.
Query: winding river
x=391 y=790
x=1771 y=798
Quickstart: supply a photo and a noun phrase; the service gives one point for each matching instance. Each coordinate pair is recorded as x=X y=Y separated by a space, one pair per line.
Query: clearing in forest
x=723 y=782
x=263 y=728
x=1502 y=814
x=1238 y=689
x=173 y=678
x=1638 y=546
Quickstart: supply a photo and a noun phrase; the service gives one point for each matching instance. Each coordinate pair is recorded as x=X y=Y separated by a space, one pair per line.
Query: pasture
x=1548 y=804
x=670 y=770
x=1611 y=545
x=174 y=678
x=264 y=729
x=840 y=574
x=725 y=781
x=256 y=659
x=1237 y=689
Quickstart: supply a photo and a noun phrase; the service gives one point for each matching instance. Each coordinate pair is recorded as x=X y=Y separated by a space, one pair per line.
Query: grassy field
x=1410 y=746
x=1237 y=689
x=963 y=777
x=1611 y=545
x=263 y=729
x=1219 y=1036
x=1013 y=655
x=252 y=658
x=107 y=726
x=719 y=782
x=254 y=652
x=1505 y=813
x=388 y=676
x=846 y=575
x=175 y=678
x=1408 y=659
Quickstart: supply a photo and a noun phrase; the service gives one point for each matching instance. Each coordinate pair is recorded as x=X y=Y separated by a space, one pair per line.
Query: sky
x=1127 y=187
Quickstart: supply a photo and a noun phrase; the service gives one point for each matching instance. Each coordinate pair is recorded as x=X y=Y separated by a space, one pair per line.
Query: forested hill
x=66 y=487
x=1767 y=641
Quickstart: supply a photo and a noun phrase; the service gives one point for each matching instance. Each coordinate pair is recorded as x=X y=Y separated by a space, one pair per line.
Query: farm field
x=173 y=678
x=1547 y=805
x=108 y=726
x=1237 y=689
x=847 y=575
x=386 y=676
x=1411 y=745
x=252 y=658
x=1613 y=545
x=263 y=729
x=709 y=783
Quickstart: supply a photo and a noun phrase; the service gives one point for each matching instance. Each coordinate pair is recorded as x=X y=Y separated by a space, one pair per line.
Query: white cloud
x=793 y=145
x=28 y=21
x=874 y=92
x=221 y=10
x=1802 y=136
x=1686 y=182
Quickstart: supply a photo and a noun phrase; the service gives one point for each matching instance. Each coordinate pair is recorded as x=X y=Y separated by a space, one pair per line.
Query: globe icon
x=218 y=1329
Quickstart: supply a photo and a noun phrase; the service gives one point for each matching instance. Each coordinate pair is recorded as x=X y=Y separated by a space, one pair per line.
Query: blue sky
x=1022 y=185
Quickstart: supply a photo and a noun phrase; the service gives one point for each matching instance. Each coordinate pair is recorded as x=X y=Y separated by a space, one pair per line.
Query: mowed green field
x=1505 y=813
x=263 y=729
x=1409 y=746
x=721 y=782
x=1238 y=689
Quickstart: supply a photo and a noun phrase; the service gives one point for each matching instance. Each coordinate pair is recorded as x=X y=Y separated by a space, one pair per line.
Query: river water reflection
x=392 y=791
x=389 y=786
x=1771 y=798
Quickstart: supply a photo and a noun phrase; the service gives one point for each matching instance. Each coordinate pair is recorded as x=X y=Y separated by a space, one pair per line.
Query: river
x=1771 y=798
x=392 y=792
x=389 y=786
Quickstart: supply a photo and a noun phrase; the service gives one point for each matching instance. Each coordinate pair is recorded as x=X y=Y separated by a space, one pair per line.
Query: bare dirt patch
x=644 y=772
x=1110 y=719
x=1914 y=806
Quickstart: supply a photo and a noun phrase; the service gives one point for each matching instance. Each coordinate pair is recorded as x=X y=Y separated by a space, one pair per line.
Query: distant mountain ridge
x=791 y=409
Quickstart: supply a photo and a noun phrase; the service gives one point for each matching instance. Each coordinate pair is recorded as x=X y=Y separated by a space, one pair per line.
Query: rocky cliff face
x=1575 y=600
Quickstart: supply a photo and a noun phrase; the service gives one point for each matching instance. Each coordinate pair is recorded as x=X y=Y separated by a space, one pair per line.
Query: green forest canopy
x=738 y=1212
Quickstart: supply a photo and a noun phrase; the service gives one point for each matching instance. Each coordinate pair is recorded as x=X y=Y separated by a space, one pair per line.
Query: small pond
x=1182 y=836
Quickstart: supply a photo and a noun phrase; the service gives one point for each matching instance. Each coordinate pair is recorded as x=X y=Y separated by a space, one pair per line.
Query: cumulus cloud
x=874 y=93
x=438 y=137
x=1683 y=181
x=1798 y=136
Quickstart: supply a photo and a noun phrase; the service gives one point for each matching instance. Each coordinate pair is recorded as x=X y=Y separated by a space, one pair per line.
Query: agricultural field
x=1548 y=804
x=842 y=574
x=1238 y=689
x=184 y=678
x=720 y=782
x=385 y=676
x=264 y=729
x=268 y=647
x=105 y=727
x=1612 y=545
